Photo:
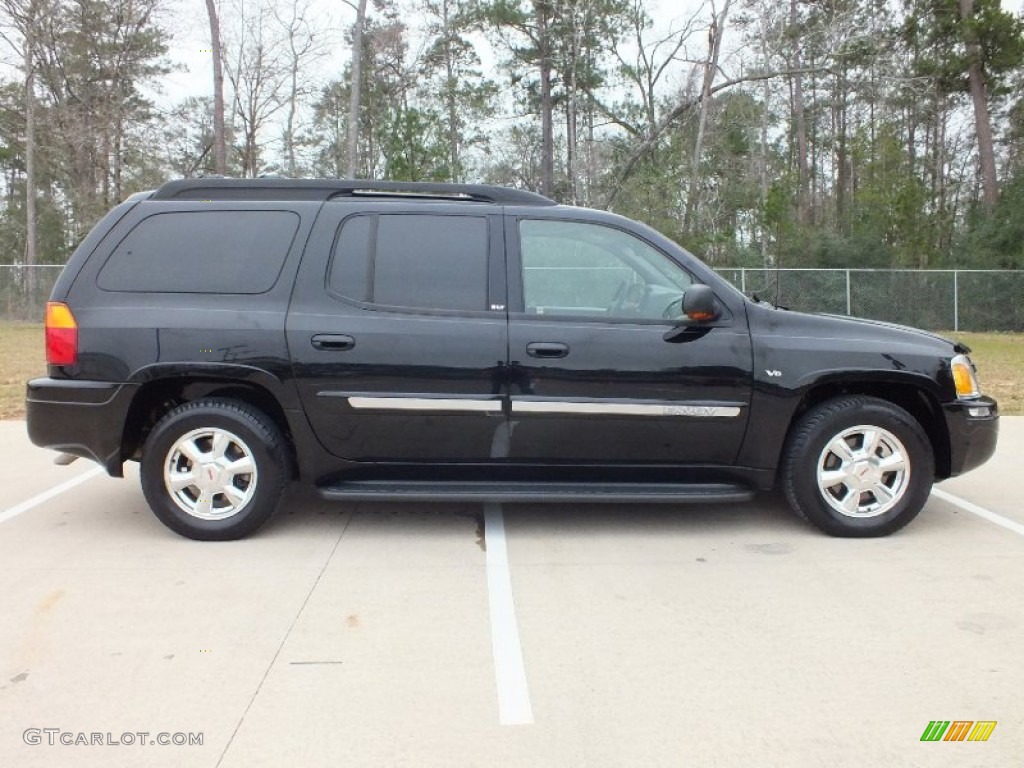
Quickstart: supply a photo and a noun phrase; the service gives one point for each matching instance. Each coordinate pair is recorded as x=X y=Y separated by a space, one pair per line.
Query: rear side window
x=412 y=260
x=202 y=252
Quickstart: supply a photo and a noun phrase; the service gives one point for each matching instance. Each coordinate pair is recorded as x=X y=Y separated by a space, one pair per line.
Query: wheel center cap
x=209 y=476
x=864 y=474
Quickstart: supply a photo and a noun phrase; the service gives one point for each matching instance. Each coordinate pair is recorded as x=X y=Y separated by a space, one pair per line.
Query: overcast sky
x=191 y=41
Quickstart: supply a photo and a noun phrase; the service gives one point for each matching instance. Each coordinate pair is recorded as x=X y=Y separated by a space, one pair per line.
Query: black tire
x=870 y=512
x=249 y=436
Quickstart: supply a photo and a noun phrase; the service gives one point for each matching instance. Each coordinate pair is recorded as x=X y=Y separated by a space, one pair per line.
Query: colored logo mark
x=958 y=730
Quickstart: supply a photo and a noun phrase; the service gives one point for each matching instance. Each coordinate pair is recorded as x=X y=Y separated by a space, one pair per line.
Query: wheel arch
x=157 y=397
x=915 y=399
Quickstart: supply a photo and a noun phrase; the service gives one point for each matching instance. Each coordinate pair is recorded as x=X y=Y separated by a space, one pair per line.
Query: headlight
x=963 y=377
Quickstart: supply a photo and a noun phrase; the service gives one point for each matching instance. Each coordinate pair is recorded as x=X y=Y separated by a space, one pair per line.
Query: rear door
x=398 y=331
x=603 y=366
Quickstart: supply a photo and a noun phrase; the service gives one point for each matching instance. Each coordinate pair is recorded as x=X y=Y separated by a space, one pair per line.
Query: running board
x=546 y=493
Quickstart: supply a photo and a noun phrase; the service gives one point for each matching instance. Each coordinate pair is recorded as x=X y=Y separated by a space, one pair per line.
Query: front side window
x=573 y=268
x=419 y=261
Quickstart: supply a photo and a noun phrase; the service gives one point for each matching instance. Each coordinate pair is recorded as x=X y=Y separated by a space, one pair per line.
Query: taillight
x=61 y=334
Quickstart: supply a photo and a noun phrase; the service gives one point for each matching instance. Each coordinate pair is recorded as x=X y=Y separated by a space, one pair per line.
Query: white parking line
x=510 y=673
x=39 y=498
x=992 y=517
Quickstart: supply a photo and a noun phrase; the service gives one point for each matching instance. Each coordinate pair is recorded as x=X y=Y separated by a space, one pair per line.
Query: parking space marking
x=509 y=671
x=39 y=498
x=968 y=506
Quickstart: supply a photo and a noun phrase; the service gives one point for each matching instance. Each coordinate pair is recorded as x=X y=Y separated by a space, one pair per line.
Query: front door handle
x=547 y=349
x=336 y=342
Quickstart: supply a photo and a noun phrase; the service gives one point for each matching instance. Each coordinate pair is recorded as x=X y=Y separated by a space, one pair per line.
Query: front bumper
x=973 y=430
x=83 y=418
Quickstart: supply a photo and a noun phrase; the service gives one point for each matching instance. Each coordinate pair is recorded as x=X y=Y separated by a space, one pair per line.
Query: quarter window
x=201 y=252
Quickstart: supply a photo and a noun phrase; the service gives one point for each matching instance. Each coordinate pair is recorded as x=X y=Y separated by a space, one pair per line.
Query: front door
x=603 y=367
x=398 y=332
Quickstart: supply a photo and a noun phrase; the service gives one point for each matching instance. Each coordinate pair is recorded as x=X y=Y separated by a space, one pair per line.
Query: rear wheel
x=858 y=466
x=214 y=469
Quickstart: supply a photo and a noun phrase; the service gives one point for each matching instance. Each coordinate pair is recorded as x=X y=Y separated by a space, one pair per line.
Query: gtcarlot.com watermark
x=57 y=736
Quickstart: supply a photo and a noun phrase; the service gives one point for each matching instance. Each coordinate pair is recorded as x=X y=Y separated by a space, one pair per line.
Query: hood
x=957 y=346
x=823 y=325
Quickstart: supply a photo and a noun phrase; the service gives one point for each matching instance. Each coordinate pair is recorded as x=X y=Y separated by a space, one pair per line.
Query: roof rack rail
x=222 y=188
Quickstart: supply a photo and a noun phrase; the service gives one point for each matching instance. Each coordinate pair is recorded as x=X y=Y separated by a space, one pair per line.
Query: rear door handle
x=337 y=342
x=547 y=349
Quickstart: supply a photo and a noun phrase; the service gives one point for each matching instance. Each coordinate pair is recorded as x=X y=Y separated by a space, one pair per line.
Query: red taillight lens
x=61 y=334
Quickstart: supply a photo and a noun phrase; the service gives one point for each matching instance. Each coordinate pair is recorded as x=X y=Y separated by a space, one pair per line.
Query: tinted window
x=412 y=260
x=350 y=269
x=571 y=268
x=202 y=252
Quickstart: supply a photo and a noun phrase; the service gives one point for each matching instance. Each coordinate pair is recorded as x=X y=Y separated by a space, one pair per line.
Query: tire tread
x=272 y=440
x=804 y=432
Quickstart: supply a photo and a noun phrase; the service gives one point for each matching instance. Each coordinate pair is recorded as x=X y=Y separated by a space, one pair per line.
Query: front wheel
x=858 y=466
x=214 y=469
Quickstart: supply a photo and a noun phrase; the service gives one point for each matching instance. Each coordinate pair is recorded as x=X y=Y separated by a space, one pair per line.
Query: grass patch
x=22 y=357
x=999 y=357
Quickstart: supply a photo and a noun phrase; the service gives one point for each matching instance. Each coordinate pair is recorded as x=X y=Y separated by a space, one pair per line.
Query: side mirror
x=699 y=303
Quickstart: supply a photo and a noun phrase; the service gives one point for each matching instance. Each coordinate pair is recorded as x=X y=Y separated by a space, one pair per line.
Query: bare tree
x=258 y=75
x=715 y=33
x=680 y=109
x=644 y=64
x=303 y=47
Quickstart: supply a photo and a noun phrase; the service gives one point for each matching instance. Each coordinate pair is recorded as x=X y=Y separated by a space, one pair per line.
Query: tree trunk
x=591 y=157
x=220 y=155
x=842 y=155
x=799 y=123
x=30 y=157
x=944 y=219
x=547 y=160
x=118 y=154
x=289 y=128
x=571 y=128
x=355 y=88
x=764 y=172
x=450 y=86
x=710 y=68
x=979 y=96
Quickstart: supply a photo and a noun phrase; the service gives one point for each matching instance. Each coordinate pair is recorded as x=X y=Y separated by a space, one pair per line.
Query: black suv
x=438 y=342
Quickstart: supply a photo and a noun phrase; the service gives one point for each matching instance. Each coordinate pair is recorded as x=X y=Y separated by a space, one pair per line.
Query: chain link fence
x=942 y=300
x=935 y=299
x=24 y=291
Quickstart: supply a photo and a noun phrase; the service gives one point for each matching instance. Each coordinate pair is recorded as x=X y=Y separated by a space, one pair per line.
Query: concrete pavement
x=361 y=634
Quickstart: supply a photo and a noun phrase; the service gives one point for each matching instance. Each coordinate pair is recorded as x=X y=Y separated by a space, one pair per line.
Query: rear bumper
x=973 y=431
x=83 y=418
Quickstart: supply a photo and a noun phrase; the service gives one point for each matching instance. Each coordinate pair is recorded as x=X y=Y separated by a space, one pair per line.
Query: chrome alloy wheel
x=210 y=473
x=863 y=471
